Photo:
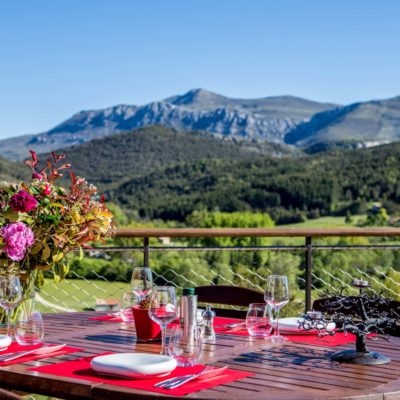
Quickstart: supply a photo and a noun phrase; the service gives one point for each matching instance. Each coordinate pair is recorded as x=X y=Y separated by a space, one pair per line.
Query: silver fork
x=183 y=380
x=4 y=357
x=179 y=378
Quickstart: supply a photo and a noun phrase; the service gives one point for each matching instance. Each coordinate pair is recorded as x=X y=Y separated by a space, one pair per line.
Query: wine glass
x=141 y=282
x=277 y=296
x=128 y=300
x=163 y=310
x=10 y=296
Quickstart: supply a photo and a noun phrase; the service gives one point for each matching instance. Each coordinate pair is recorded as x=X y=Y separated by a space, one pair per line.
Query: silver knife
x=40 y=351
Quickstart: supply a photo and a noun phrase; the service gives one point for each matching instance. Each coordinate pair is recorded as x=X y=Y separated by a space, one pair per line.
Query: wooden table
x=289 y=371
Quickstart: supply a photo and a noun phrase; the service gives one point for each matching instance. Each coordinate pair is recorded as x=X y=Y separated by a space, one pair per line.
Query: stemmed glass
x=277 y=296
x=10 y=296
x=141 y=282
x=163 y=310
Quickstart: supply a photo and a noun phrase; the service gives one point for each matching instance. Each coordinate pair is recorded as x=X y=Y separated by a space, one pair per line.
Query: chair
x=229 y=295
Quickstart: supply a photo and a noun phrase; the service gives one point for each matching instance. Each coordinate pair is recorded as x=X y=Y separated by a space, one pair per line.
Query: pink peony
x=17 y=238
x=23 y=201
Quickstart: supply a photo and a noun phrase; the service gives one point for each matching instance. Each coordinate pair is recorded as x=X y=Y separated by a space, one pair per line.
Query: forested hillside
x=10 y=171
x=108 y=161
x=323 y=184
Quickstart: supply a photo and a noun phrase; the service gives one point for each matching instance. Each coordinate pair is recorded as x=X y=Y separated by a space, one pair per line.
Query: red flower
x=46 y=190
x=23 y=202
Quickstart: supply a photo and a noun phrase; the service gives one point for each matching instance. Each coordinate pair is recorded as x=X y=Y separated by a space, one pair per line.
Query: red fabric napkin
x=80 y=369
x=15 y=347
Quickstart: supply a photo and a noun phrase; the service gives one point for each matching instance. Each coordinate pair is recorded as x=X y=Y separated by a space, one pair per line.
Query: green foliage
x=13 y=171
x=289 y=189
x=376 y=217
x=119 y=216
x=109 y=161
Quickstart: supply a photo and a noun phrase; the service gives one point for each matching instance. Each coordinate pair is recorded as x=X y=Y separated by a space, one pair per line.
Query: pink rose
x=17 y=238
x=23 y=201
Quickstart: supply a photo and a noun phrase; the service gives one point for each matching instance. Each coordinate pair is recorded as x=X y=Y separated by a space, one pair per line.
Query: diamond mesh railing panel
x=332 y=268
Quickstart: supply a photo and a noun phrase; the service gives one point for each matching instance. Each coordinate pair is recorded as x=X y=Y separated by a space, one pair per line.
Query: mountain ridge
x=275 y=119
x=265 y=119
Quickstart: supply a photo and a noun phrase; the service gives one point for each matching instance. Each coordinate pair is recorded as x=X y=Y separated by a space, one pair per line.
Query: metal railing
x=308 y=246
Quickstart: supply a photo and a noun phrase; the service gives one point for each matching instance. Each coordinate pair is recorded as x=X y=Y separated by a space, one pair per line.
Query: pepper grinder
x=207 y=331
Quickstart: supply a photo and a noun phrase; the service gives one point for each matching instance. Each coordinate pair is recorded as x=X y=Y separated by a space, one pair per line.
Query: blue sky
x=60 y=57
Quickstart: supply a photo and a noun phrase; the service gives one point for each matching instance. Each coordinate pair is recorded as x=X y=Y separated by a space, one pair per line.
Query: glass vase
x=29 y=327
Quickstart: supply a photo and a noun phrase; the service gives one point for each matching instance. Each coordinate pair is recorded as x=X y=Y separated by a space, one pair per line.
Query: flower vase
x=29 y=327
x=28 y=292
x=146 y=328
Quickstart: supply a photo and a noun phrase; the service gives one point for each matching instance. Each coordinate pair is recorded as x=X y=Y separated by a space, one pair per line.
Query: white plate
x=5 y=341
x=291 y=326
x=133 y=365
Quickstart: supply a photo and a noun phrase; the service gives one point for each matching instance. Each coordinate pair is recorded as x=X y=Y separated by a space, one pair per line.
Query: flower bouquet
x=41 y=222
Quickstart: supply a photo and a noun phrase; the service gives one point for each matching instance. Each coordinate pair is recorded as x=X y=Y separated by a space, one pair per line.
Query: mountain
x=109 y=161
x=364 y=124
x=324 y=184
x=266 y=119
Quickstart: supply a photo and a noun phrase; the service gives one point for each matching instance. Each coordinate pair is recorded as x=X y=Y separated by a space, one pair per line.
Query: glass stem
x=277 y=322
x=9 y=323
x=163 y=344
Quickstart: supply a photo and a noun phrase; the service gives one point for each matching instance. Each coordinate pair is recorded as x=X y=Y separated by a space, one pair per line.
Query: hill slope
x=13 y=172
x=108 y=161
x=368 y=123
x=319 y=184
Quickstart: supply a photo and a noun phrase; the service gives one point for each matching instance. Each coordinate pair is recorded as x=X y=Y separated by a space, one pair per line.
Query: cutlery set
x=41 y=351
x=207 y=373
x=233 y=327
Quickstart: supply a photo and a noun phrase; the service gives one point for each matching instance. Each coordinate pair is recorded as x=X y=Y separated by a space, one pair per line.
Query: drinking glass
x=277 y=296
x=10 y=296
x=163 y=310
x=259 y=320
x=128 y=300
x=29 y=327
x=186 y=351
x=141 y=282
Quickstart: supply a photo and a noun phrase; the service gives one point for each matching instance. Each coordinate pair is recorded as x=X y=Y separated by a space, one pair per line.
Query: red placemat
x=80 y=369
x=107 y=317
x=338 y=339
x=15 y=347
x=220 y=326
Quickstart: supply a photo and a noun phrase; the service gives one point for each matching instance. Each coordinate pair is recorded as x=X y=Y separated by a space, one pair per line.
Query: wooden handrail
x=255 y=232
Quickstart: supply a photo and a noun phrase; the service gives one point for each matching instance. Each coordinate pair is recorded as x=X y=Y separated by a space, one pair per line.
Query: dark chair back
x=6 y=395
x=229 y=295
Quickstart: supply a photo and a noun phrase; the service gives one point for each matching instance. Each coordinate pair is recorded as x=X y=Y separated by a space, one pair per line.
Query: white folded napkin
x=290 y=325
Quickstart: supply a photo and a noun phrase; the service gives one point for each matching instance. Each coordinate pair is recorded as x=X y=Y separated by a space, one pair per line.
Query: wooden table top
x=288 y=371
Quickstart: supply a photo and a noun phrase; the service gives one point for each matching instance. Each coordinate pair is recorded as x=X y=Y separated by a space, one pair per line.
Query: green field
x=326 y=222
x=78 y=295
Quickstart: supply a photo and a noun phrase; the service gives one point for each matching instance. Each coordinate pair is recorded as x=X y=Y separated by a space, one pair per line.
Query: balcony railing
x=307 y=243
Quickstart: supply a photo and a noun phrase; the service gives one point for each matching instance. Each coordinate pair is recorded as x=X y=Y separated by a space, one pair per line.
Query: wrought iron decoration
x=367 y=316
